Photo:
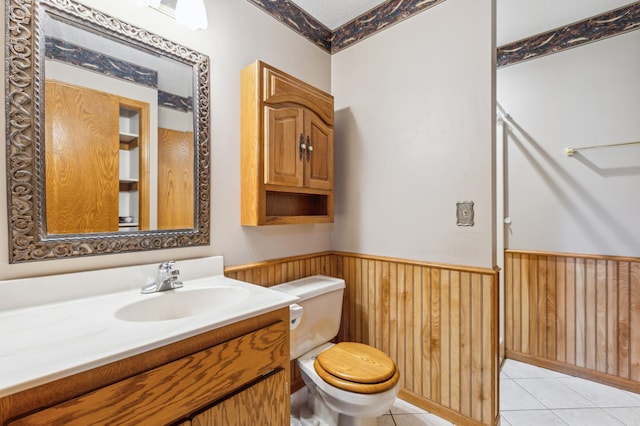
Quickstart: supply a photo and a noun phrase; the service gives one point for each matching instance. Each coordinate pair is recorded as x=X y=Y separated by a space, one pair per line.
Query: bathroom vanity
x=126 y=358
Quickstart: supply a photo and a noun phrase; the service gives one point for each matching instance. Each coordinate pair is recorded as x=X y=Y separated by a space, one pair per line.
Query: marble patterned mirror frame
x=28 y=239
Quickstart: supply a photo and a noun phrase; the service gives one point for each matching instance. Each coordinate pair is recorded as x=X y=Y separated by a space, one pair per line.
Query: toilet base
x=315 y=412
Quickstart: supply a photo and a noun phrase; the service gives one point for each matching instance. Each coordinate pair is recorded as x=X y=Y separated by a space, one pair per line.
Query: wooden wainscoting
x=278 y=271
x=437 y=322
x=576 y=314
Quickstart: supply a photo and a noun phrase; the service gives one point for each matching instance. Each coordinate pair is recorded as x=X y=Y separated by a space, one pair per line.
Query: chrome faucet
x=167 y=279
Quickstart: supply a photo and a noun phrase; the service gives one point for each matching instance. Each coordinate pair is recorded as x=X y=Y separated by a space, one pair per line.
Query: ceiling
x=335 y=13
x=516 y=19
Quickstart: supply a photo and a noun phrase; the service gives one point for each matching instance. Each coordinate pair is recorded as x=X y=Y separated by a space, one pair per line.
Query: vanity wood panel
x=183 y=386
x=135 y=370
x=575 y=313
x=261 y=397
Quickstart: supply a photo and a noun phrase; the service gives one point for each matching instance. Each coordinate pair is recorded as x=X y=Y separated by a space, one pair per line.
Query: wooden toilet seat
x=356 y=367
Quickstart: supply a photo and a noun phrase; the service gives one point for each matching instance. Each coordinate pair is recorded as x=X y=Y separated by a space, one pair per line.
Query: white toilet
x=349 y=384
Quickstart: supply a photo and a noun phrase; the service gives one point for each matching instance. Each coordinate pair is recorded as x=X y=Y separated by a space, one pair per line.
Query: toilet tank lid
x=305 y=288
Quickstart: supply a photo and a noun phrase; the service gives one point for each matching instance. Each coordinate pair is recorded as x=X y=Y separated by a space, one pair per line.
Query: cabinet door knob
x=302 y=147
x=309 y=148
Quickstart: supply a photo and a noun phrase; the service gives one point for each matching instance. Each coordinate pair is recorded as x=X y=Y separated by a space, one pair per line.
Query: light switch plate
x=464 y=213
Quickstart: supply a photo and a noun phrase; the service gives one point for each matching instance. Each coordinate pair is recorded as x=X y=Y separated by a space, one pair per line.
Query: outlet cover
x=464 y=213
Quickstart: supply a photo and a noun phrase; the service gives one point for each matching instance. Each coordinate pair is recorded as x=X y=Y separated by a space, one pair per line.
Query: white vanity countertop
x=39 y=344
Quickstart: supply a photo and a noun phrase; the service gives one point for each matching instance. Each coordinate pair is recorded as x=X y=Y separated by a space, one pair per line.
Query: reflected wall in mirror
x=107 y=135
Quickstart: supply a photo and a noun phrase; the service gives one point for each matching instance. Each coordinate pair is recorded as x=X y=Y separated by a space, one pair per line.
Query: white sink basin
x=54 y=326
x=182 y=303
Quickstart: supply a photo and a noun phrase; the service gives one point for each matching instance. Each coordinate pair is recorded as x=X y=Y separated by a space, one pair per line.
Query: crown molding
x=377 y=19
x=609 y=24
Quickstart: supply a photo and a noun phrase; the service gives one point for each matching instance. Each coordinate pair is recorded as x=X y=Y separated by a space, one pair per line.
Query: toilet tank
x=321 y=298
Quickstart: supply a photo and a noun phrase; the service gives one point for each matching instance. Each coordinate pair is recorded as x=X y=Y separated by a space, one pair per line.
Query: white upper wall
x=585 y=96
x=414 y=131
x=238 y=34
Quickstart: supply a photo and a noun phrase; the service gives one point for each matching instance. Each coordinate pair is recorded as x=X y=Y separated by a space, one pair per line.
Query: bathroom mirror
x=108 y=147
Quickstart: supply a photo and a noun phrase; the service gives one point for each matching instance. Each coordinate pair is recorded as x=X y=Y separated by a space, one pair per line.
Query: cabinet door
x=283 y=160
x=175 y=179
x=179 y=388
x=264 y=403
x=81 y=154
x=319 y=162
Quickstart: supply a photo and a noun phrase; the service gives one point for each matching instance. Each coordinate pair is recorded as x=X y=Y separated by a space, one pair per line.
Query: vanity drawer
x=176 y=390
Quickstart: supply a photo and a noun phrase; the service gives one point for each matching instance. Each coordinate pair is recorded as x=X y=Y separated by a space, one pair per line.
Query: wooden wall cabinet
x=287 y=148
x=235 y=375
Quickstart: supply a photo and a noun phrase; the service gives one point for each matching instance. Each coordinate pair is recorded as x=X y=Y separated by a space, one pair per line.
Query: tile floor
x=533 y=396
x=404 y=414
x=401 y=414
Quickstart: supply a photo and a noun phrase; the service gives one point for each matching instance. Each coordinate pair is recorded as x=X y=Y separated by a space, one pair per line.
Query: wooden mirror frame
x=24 y=102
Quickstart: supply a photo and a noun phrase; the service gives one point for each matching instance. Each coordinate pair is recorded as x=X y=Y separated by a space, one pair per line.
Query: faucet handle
x=167 y=278
x=166 y=269
x=167 y=266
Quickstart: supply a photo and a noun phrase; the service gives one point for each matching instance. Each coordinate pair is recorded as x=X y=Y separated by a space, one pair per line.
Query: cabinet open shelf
x=296 y=204
x=133 y=132
x=129 y=142
x=128 y=138
x=128 y=185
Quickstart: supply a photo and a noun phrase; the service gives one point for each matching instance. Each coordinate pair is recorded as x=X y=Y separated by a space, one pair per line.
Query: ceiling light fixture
x=151 y=3
x=190 y=13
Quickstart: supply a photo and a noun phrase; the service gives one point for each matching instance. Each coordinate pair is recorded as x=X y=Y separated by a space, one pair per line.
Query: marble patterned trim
x=365 y=25
x=72 y=54
x=177 y=102
x=377 y=19
x=391 y=12
x=602 y=26
x=63 y=51
x=298 y=20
